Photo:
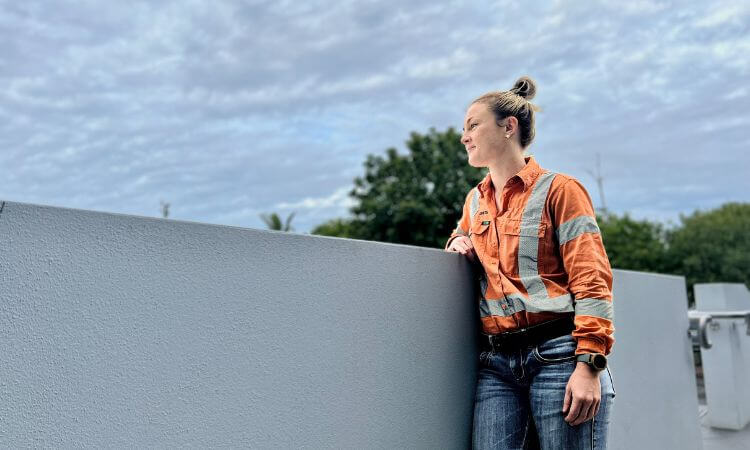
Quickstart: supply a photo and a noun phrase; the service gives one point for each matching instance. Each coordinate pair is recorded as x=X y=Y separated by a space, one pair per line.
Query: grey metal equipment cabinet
x=721 y=323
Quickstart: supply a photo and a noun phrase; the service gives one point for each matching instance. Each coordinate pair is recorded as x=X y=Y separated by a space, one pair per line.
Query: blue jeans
x=523 y=390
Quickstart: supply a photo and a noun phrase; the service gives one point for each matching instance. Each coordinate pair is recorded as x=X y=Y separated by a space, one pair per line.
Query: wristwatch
x=596 y=361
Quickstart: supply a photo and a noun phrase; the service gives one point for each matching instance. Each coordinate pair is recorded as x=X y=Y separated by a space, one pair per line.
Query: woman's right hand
x=462 y=245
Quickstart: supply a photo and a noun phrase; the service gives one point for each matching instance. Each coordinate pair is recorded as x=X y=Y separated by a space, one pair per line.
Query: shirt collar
x=527 y=175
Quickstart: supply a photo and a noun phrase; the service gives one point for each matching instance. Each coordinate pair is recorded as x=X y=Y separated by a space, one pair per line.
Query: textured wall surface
x=122 y=331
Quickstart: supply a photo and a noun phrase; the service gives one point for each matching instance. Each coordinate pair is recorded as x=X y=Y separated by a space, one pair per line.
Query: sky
x=231 y=109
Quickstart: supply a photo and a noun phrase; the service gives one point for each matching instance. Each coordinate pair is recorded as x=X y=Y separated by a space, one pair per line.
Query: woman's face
x=483 y=138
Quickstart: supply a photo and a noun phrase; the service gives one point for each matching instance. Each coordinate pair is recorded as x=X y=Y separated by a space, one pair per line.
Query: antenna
x=599 y=181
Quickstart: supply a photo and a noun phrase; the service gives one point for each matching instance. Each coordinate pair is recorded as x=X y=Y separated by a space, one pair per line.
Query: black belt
x=526 y=337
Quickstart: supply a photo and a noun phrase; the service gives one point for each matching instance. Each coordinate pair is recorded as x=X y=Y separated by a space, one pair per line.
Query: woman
x=546 y=288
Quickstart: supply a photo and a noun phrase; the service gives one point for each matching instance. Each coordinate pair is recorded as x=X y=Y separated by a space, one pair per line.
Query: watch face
x=599 y=361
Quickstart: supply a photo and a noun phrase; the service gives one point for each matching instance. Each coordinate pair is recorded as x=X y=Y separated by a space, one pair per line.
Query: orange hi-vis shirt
x=542 y=255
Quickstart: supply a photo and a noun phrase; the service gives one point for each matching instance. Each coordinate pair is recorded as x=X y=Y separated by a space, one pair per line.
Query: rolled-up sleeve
x=587 y=266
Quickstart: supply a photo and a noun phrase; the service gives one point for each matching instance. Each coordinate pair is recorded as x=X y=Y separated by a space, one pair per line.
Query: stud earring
x=507 y=135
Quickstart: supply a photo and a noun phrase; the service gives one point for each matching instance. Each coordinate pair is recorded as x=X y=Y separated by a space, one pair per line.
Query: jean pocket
x=557 y=350
x=611 y=382
x=484 y=357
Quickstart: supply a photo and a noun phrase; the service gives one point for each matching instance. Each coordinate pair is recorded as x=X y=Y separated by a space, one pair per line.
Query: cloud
x=723 y=14
x=229 y=109
x=338 y=199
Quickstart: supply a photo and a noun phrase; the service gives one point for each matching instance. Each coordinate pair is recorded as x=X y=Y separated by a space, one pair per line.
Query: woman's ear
x=511 y=126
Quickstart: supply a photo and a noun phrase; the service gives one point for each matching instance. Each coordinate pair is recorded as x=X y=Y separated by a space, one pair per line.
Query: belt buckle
x=517 y=339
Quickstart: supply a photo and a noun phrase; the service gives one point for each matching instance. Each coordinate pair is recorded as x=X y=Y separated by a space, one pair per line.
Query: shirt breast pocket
x=480 y=238
x=520 y=246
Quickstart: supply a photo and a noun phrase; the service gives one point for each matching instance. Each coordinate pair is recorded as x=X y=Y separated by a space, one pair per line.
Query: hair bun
x=525 y=87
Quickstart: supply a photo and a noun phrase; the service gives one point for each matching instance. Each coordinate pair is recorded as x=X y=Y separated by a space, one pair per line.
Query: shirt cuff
x=586 y=345
x=447 y=244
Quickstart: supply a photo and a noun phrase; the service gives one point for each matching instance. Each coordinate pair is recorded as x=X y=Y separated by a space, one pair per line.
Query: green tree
x=713 y=246
x=334 y=227
x=415 y=198
x=273 y=222
x=634 y=244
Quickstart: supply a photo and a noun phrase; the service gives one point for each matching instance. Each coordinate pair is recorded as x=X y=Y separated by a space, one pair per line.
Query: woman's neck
x=505 y=167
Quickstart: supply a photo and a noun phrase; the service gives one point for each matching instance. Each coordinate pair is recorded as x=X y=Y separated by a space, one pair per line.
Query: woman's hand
x=582 y=395
x=462 y=245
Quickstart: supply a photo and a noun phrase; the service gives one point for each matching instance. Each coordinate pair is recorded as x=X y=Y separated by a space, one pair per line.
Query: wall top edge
x=290 y=234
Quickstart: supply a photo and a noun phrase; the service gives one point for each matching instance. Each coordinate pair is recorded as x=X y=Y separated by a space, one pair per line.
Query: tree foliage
x=334 y=227
x=713 y=246
x=634 y=244
x=273 y=222
x=706 y=247
x=415 y=198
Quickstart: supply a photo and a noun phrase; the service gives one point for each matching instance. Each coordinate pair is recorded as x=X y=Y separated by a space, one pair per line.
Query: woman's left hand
x=582 y=395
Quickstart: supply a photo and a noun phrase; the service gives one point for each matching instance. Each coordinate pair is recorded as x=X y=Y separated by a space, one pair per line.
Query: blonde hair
x=514 y=102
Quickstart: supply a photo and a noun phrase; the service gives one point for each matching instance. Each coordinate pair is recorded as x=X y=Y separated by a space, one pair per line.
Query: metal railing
x=700 y=321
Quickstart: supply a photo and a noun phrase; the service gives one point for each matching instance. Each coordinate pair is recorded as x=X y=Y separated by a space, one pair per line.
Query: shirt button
x=504 y=306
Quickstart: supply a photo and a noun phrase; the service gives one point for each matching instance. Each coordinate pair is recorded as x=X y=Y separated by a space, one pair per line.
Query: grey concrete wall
x=656 y=403
x=128 y=331
x=120 y=331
